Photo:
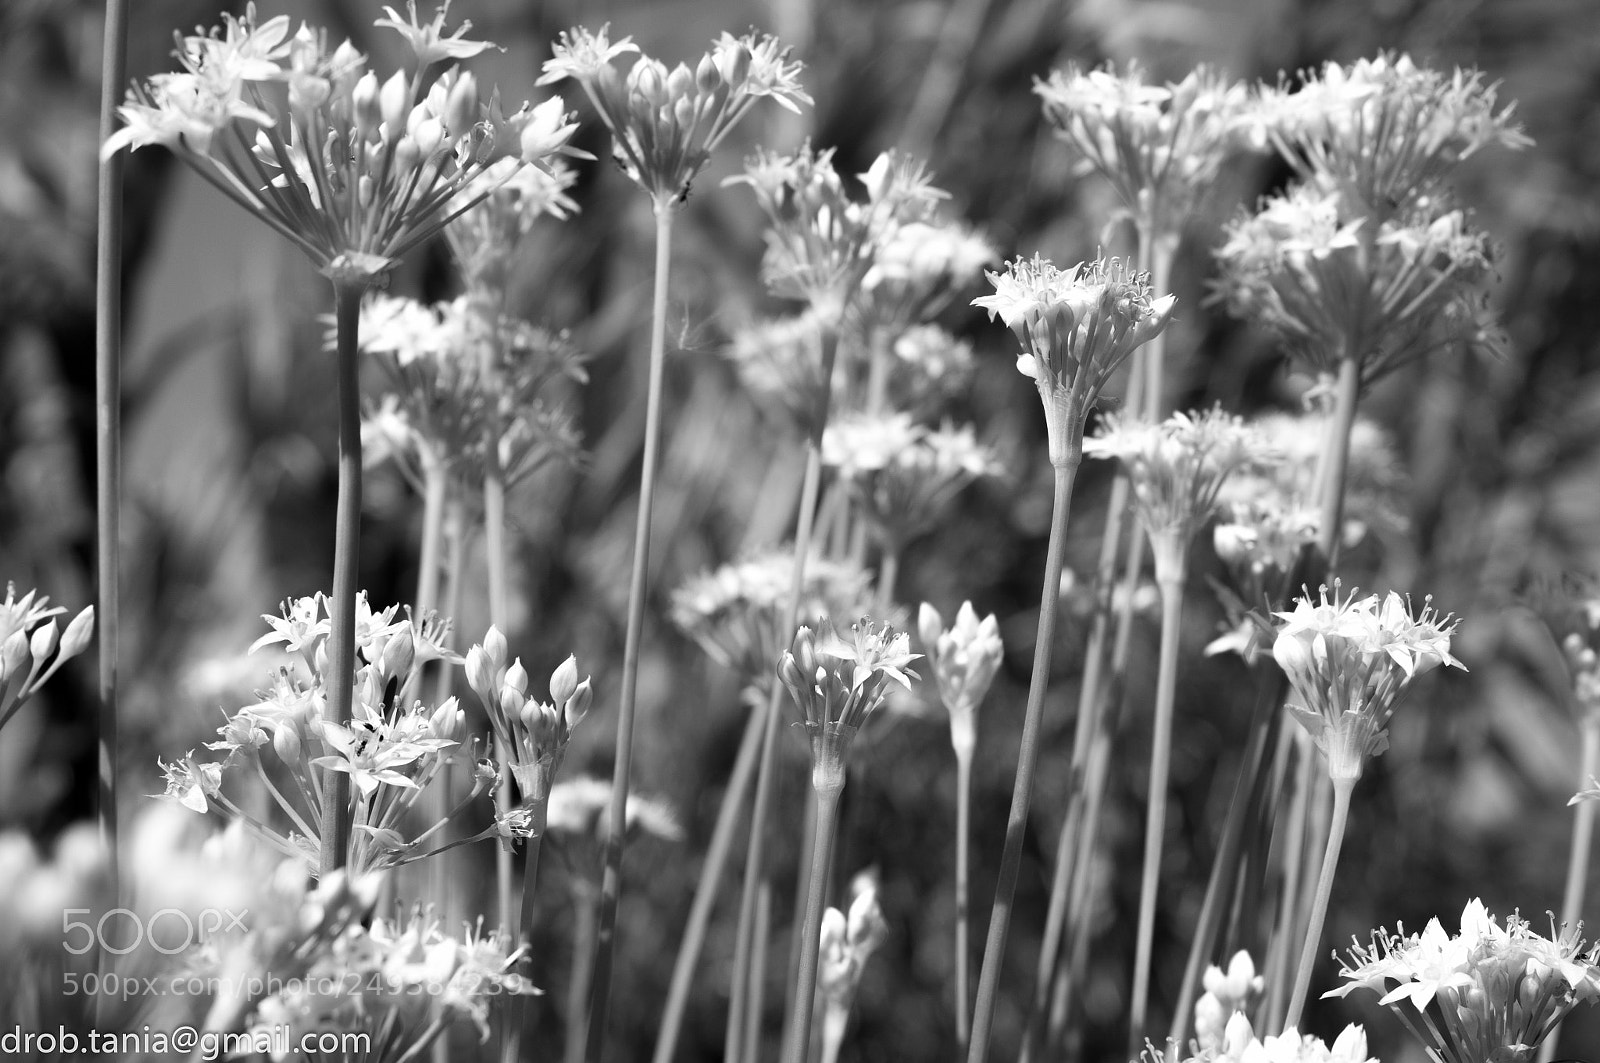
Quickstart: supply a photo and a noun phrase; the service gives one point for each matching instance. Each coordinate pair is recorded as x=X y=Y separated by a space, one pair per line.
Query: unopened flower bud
x=564 y=681
x=429 y=134
x=286 y=743
x=930 y=625
x=394 y=99
x=517 y=677
x=480 y=673
x=76 y=638
x=648 y=81
x=448 y=720
x=706 y=75
x=406 y=155
x=319 y=659
x=578 y=705
x=494 y=644
x=44 y=641
x=680 y=83
x=14 y=654
x=364 y=106
x=398 y=654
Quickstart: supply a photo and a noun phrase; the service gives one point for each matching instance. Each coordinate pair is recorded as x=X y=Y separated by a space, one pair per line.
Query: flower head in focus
x=665 y=123
x=33 y=646
x=1076 y=328
x=965 y=659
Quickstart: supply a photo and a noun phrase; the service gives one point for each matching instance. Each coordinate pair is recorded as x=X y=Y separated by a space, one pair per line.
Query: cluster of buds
x=1160 y=146
x=837 y=682
x=1581 y=658
x=965 y=659
x=1227 y=993
x=531 y=735
x=1497 y=991
x=1076 y=327
x=444 y=395
x=353 y=170
x=904 y=476
x=393 y=747
x=739 y=613
x=33 y=646
x=848 y=942
x=1239 y=1044
x=821 y=243
x=1349 y=662
x=1177 y=468
x=665 y=123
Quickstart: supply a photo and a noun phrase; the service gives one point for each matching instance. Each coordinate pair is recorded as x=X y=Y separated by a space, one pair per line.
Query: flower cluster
x=665 y=123
x=1160 y=146
x=1349 y=662
x=1076 y=327
x=918 y=267
x=1227 y=993
x=837 y=682
x=848 y=942
x=965 y=658
x=1490 y=992
x=352 y=170
x=821 y=243
x=33 y=646
x=739 y=613
x=1177 y=467
x=1240 y=1044
x=904 y=476
x=393 y=748
x=531 y=735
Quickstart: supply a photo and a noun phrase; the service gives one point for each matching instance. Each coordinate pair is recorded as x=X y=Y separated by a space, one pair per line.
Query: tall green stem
x=1578 y=851
x=1344 y=414
x=1156 y=821
x=705 y=894
x=1027 y=757
x=963 y=903
x=616 y=814
x=798 y=1048
x=108 y=416
x=583 y=929
x=1297 y=829
x=346 y=545
x=1319 y=907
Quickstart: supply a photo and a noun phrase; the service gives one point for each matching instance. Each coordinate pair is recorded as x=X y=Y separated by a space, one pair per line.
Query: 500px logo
x=168 y=931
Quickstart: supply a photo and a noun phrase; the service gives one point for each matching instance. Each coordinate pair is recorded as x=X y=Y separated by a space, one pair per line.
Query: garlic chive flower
x=918 y=268
x=1076 y=327
x=1490 y=992
x=33 y=646
x=837 y=681
x=821 y=243
x=665 y=123
x=353 y=170
x=1331 y=285
x=904 y=476
x=1177 y=467
x=930 y=367
x=1384 y=132
x=1239 y=1044
x=1227 y=993
x=779 y=362
x=1349 y=661
x=531 y=734
x=965 y=659
x=739 y=613
x=1160 y=146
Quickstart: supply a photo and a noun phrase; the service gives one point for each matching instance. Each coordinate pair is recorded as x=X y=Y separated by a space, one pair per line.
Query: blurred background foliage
x=230 y=481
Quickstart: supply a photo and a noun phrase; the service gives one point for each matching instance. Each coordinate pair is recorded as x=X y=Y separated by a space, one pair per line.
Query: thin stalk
x=756 y=990
x=963 y=903
x=1156 y=821
x=888 y=574
x=616 y=814
x=1027 y=757
x=753 y=868
x=705 y=893
x=346 y=545
x=583 y=924
x=808 y=828
x=1344 y=414
x=440 y=869
x=1578 y=851
x=496 y=561
x=108 y=417
x=578 y=979
x=798 y=1047
x=1319 y=908
x=1277 y=967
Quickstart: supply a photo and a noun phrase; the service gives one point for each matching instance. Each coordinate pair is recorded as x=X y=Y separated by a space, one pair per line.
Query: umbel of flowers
x=1076 y=328
x=1489 y=993
x=33 y=646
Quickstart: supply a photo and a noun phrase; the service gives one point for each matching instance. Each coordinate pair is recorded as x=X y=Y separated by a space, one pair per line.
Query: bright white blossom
x=965 y=659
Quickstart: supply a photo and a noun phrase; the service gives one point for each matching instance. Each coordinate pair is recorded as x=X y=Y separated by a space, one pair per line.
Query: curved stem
x=1319 y=907
x=1027 y=758
x=1156 y=821
x=108 y=416
x=705 y=894
x=963 y=914
x=798 y=1048
x=616 y=817
x=1578 y=851
x=346 y=544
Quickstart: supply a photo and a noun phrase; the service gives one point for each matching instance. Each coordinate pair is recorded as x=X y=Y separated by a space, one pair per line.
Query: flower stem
x=1344 y=416
x=346 y=545
x=1027 y=756
x=1319 y=907
x=705 y=894
x=582 y=945
x=578 y=979
x=1578 y=851
x=798 y=1048
x=108 y=416
x=963 y=914
x=1291 y=743
x=616 y=814
x=1156 y=820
